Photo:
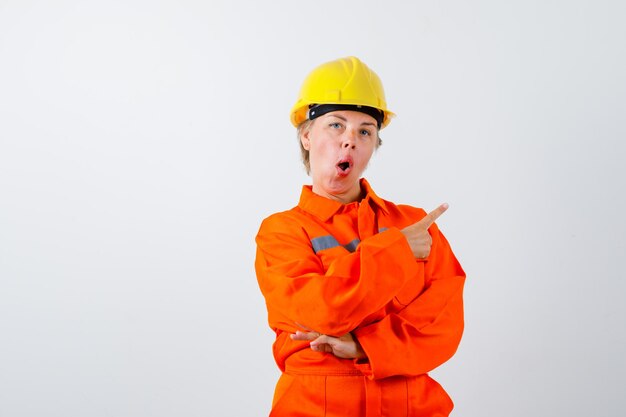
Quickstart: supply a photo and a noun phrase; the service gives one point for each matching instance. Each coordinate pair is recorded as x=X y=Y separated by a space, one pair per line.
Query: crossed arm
x=348 y=346
x=328 y=306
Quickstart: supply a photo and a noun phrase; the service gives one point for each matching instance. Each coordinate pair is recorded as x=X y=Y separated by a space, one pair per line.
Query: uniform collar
x=324 y=208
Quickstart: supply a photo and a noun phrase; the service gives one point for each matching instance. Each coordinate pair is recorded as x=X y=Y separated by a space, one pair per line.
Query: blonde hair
x=304 y=153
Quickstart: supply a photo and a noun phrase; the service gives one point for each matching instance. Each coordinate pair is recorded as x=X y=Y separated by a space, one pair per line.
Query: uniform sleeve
x=333 y=300
x=425 y=333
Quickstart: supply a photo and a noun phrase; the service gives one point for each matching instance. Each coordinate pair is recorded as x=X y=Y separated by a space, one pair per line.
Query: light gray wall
x=142 y=142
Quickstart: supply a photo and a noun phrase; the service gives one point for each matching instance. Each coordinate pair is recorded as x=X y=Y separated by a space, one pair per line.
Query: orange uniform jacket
x=339 y=268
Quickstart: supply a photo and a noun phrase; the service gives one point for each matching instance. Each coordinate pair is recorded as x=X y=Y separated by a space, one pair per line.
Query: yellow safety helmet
x=346 y=84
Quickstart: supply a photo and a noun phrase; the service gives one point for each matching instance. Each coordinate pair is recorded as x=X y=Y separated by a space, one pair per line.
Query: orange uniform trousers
x=339 y=268
x=348 y=395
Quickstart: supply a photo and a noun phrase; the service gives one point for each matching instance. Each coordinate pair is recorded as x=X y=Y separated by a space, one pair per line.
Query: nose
x=348 y=140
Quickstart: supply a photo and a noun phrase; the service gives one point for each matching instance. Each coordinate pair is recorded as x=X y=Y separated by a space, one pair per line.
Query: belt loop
x=373 y=398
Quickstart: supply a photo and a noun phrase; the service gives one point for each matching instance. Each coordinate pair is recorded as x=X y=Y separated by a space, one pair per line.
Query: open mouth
x=344 y=166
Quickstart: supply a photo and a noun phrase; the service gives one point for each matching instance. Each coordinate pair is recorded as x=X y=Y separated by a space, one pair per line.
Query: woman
x=365 y=296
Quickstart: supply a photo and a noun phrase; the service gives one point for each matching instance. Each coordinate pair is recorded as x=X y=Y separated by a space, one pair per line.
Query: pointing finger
x=430 y=218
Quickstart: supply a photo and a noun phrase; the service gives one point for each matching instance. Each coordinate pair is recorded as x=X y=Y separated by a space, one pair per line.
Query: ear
x=305 y=139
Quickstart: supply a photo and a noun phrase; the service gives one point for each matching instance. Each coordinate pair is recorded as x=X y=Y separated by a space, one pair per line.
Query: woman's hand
x=346 y=346
x=417 y=234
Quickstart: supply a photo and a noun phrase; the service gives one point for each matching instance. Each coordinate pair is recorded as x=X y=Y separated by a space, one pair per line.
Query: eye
x=335 y=125
x=365 y=132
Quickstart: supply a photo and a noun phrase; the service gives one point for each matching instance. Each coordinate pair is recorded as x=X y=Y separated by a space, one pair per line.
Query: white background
x=142 y=142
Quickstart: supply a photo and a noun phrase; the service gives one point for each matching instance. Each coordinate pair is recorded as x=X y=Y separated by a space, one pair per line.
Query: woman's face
x=340 y=145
